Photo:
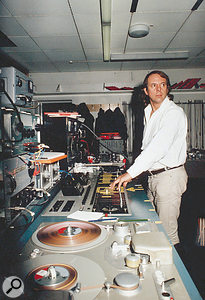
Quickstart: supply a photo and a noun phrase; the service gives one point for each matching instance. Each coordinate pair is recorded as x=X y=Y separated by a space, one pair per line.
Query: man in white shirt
x=163 y=152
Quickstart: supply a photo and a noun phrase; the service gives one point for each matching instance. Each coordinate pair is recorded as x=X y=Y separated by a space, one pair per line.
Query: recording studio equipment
x=70 y=186
x=17 y=126
x=94 y=261
x=58 y=256
x=111 y=145
x=28 y=178
x=74 y=149
x=90 y=192
x=16 y=174
x=17 y=136
x=120 y=251
x=48 y=170
x=17 y=86
x=155 y=244
x=16 y=177
x=107 y=201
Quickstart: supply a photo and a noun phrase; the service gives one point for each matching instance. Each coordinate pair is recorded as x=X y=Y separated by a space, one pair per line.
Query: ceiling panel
x=188 y=39
x=118 y=41
x=37 y=7
x=23 y=43
x=59 y=55
x=195 y=23
x=120 y=24
x=50 y=33
x=94 y=54
x=161 y=21
x=91 y=41
x=121 y=6
x=87 y=24
x=72 y=67
x=58 y=42
x=44 y=67
x=3 y=11
x=47 y=26
x=153 y=40
x=161 y=5
x=10 y=26
x=88 y=7
x=29 y=56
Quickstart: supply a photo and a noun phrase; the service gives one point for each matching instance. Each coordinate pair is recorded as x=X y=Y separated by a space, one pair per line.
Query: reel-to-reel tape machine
x=84 y=261
x=69 y=236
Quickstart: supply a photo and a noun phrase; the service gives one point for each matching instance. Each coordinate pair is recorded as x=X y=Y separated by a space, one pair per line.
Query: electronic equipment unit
x=18 y=132
x=111 y=145
x=56 y=255
x=89 y=261
x=126 y=258
x=48 y=170
x=17 y=86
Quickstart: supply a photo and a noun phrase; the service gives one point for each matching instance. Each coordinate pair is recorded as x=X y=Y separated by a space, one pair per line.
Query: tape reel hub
x=69 y=231
x=52 y=277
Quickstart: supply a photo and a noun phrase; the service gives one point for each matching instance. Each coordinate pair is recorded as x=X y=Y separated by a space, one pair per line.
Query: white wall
x=89 y=86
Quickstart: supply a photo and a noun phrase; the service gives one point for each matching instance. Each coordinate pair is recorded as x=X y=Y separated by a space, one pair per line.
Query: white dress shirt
x=164 y=139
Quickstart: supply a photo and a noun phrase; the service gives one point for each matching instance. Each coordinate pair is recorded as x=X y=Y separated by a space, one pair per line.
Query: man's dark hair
x=160 y=73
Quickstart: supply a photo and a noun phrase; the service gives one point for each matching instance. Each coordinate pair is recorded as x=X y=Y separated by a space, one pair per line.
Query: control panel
x=16 y=86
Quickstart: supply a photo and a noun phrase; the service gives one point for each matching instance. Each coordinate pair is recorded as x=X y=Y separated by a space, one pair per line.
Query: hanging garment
x=109 y=125
x=120 y=123
x=100 y=122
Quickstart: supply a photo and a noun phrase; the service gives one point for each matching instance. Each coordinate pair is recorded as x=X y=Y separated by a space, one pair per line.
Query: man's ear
x=145 y=90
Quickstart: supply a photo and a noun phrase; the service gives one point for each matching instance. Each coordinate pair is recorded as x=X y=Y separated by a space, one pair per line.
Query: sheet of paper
x=85 y=215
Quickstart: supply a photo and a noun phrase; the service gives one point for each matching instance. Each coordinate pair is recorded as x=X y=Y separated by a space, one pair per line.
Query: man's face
x=156 y=89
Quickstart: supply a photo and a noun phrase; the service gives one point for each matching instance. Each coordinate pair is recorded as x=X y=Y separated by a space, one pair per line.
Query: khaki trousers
x=165 y=190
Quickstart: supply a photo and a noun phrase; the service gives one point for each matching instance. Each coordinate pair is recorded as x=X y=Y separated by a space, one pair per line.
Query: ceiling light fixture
x=138 y=30
x=105 y=6
x=150 y=56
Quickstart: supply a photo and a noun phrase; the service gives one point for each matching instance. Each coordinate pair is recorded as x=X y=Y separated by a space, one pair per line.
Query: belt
x=155 y=172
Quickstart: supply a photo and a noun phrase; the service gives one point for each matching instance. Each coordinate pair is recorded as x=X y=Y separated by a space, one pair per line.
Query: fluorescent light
x=106 y=43
x=106 y=27
x=150 y=56
x=106 y=11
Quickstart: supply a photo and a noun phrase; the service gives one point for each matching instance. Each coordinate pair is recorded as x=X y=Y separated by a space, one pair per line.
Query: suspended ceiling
x=66 y=36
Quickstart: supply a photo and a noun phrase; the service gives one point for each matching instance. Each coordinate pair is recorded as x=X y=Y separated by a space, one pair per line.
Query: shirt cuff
x=132 y=171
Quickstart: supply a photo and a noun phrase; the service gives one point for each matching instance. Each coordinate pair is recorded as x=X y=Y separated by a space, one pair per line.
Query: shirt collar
x=162 y=107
